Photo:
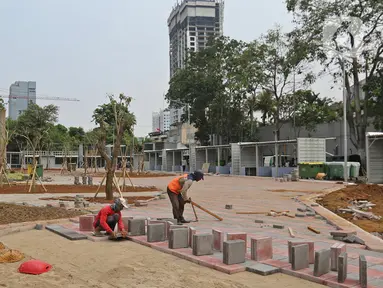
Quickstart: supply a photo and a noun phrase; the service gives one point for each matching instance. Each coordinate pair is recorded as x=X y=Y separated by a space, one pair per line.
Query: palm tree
x=265 y=105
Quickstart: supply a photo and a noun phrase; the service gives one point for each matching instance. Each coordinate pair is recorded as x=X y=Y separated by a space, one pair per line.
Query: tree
x=352 y=26
x=280 y=59
x=310 y=110
x=375 y=89
x=33 y=125
x=115 y=115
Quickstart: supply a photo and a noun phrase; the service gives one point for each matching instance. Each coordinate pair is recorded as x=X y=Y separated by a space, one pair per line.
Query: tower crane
x=40 y=98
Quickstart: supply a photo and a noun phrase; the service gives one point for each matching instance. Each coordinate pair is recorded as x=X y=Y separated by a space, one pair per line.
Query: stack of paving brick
x=301 y=255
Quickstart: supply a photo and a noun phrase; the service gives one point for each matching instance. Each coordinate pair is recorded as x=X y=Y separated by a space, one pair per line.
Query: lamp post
x=328 y=34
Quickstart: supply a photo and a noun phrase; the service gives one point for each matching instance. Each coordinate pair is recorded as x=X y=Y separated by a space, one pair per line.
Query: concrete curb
x=373 y=243
x=26 y=226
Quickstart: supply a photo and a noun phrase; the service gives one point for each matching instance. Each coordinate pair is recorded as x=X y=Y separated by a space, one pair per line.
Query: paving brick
x=277 y=226
x=263 y=269
x=302 y=209
x=202 y=244
x=192 y=231
x=258 y=221
x=299 y=256
x=136 y=227
x=342 y=267
x=314 y=205
x=178 y=238
x=342 y=233
x=322 y=262
x=336 y=250
x=125 y=221
x=234 y=252
x=299 y=215
x=227 y=206
x=156 y=232
x=261 y=248
x=218 y=239
x=362 y=271
x=86 y=223
x=294 y=242
x=310 y=214
x=160 y=222
x=170 y=225
x=237 y=236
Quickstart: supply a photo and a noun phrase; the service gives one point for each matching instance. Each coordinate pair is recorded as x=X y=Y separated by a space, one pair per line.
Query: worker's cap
x=198 y=175
x=121 y=201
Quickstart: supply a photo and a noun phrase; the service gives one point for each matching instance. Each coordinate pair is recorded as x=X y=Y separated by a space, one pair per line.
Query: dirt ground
x=102 y=200
x=81 y=264
x=11 y=213
x=70 y=189
x=342 y=198
x=134 y=174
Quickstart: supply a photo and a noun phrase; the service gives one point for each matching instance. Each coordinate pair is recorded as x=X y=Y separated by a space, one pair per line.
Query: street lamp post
x=328 y=34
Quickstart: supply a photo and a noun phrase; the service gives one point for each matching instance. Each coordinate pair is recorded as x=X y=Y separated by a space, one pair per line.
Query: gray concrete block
x=156 y=232
x=318 y=217
x=277 y=226
x=258 y=221
x=178 y=238
x=336 y=250
x=234 y=252
x=202 y=244
x=342 y=233
x=314 y=205
x=300 y=257
x=300 y=209
x=362 y=271
x=342 y=267
x=338 y=238
x=263 y=269
x=322 y=262
x=310 y=214
x=39 y=227
x=136 y=227
x=299 y=215
x=227 y=206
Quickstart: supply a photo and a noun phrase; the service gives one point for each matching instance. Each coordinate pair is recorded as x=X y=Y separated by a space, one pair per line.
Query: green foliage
x=310 y=109
x=317 y=20
x=113 y=117
x=34 y=125
x=375 y=90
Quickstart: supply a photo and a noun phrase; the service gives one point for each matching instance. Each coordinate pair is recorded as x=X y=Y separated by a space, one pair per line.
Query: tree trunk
x=109 y=181
x=85 y=161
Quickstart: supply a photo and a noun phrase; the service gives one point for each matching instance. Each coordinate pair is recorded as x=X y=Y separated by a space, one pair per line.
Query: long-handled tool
x=195 y=214
x=207 y=211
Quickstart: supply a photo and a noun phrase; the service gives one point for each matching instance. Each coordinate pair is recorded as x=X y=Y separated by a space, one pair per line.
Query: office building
x=21 y=93
x=161 y=120
x=191 y=24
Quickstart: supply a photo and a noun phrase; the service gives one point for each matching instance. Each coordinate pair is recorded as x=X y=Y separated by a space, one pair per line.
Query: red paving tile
x=242 y=194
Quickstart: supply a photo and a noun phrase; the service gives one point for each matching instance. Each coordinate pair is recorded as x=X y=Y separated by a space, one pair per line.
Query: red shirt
x=103 y=215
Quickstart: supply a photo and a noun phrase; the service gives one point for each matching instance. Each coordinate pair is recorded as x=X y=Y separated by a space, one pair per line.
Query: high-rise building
x=161 y=120
x=191 y=23
x=21 y=93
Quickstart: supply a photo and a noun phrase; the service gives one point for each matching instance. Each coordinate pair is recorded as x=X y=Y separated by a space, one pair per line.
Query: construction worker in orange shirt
x=177 y=191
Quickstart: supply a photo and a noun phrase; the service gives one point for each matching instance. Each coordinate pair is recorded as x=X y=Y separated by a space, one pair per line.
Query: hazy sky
x=86 y=48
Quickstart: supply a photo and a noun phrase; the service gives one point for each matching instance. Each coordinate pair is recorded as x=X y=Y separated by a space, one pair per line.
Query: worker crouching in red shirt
x=108 y=217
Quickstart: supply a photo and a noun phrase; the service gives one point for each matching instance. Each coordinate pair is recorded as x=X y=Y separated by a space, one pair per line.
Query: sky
x=89 y=48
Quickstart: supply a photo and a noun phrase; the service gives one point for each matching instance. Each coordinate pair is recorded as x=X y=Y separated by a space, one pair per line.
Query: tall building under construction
x=191 y=23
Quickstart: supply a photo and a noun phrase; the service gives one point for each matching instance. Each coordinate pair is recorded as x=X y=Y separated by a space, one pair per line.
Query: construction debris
x=292 y=235
x=227 y=206
x=358 y=208
x=347 y=236
x=313 y=230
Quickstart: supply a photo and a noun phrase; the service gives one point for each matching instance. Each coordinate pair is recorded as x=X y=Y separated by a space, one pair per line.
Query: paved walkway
x=256 y=194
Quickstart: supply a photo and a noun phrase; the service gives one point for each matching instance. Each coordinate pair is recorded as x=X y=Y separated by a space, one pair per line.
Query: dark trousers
x=111 y=221
x=178 y=205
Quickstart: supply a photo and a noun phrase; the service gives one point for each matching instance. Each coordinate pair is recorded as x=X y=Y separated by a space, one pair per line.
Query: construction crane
x=41 y=98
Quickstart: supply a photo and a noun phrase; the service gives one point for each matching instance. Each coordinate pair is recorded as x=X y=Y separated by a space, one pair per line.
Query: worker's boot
x=184 y=221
